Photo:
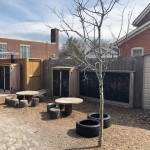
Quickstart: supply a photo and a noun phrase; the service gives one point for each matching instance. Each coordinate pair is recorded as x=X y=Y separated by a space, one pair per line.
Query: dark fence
x=121 y=64
x=116 y=86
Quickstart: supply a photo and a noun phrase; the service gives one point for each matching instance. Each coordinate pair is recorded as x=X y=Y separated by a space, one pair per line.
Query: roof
x=106 y=53
x=25 y=40
x=63 y=67
x=134 y=33
x=141 y=16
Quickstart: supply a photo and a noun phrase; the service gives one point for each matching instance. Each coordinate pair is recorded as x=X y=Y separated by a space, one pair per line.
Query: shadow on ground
x=45 y=116
x=89 y=147
x=133 y=117
x=72 y=133
x=120 y=115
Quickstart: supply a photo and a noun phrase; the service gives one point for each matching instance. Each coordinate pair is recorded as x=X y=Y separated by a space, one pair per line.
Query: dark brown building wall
x=140 y=40
x=37 y=49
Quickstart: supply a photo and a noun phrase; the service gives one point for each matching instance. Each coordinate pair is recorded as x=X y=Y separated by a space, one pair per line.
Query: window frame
x=3 y=55
x=21 y=53
x=137 y=48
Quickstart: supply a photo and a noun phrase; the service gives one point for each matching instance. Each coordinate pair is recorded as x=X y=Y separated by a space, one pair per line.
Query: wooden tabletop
x=27 y=93
x=69 y=100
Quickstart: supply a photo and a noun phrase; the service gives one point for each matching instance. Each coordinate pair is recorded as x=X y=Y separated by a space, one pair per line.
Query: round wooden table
x=67 y=102
x=27 y=93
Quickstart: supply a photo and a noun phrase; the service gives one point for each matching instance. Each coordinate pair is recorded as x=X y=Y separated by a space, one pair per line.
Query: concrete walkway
x=14 y=135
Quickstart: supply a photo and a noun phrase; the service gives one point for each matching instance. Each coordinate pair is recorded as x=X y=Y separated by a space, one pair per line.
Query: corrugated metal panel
x=146 y=83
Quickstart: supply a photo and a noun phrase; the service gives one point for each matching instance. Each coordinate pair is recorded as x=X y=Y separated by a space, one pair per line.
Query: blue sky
x=26 y=19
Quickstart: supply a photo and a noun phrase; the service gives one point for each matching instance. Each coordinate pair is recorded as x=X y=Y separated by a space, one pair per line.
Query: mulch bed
x=130 y=127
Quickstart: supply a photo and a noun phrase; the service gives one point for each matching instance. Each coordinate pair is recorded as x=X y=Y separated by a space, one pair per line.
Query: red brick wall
x=37 y=49
x=140 y=40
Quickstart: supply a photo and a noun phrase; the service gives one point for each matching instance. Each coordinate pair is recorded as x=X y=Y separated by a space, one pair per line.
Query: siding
x=146 y=83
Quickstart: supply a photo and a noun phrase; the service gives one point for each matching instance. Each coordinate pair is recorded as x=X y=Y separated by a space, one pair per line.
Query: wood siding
x=146 y=83
x=31 y=73
x=73 y=80
x=121 y=64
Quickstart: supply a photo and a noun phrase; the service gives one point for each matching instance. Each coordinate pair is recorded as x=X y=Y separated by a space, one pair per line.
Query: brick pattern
x=37 y=49
x=140 y=40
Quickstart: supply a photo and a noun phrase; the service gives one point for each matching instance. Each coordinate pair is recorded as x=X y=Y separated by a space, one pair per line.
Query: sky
x=27 y=19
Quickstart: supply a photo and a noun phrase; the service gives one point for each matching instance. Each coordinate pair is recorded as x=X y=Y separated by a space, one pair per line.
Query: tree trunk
x=101 y=107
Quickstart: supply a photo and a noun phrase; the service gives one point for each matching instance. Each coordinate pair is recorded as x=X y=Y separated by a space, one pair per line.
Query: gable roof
x=106 y=53
x=134 y=33
x=141 y=16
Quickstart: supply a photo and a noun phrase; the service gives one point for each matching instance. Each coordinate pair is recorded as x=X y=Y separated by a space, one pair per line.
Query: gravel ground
x=31 y=128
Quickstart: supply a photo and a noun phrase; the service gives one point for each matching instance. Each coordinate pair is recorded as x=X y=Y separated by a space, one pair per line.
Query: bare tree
x=71 y=47
x=89 y=17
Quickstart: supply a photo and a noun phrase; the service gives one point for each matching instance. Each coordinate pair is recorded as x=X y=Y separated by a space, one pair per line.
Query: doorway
x=61 y=83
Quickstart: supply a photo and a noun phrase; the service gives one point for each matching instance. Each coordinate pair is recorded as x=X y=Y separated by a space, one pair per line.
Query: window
x=137 y=51
x=3 y=48
x=25 y=51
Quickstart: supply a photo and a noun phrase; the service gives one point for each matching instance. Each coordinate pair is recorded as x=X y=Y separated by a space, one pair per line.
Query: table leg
x=68 y=109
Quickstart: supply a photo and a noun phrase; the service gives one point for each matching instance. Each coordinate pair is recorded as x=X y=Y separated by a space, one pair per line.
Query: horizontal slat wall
x=146 y=83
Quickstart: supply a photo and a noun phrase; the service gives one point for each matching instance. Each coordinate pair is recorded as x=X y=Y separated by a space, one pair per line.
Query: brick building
x=136 y=43
x=31 y=49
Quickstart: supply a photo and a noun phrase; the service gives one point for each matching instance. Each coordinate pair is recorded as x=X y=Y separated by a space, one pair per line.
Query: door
x=61 y=83
x=64 y=83
x=7 y=77
x=1 y=77
x=56 y=82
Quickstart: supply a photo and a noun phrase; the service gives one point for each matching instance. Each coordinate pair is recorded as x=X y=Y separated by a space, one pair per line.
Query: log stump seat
x=34 y=102
x=23 y=103
x=54 y=113
x=14 y=102
x=49 y=106
x=8 y=100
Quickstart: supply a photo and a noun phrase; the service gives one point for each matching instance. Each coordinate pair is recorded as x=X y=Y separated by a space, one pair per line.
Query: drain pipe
x=12 y=57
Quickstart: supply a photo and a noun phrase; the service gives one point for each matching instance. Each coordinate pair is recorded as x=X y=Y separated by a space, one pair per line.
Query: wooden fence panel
x=128 y=63
x=121 y=64
x=34 y=74
x=31 y=73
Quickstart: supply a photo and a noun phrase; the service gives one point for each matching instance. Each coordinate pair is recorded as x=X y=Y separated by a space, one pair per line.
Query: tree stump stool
x=41 y=98
x=8 y=101
x=23 y=103
x=14 y=102
x=49 y=106
x=34 y=102
x=54 y=113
